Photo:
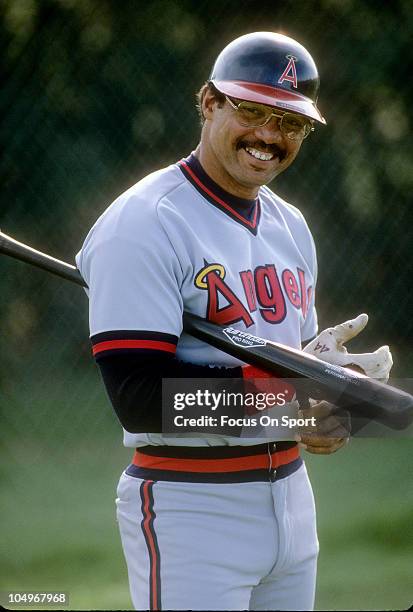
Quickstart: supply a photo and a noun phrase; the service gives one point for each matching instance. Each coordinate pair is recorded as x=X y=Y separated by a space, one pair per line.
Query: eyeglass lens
x=256 y=115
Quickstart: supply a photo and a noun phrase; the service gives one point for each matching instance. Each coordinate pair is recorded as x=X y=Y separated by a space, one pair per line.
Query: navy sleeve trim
x=132 y=341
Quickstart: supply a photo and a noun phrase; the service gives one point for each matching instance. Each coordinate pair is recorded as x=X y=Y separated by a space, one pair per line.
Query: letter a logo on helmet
x=286 y=76
x=271 y=69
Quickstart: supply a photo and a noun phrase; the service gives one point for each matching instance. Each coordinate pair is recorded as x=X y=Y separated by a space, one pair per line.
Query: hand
x=328 y=346
x=331 y=432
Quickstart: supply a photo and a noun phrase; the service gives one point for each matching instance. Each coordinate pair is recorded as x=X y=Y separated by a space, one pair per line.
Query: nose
x=270 y=133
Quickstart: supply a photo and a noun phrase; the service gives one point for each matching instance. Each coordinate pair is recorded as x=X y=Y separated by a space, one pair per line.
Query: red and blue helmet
x=271 y=69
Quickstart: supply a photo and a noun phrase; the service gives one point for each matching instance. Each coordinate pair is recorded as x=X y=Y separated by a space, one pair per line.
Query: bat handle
x=21 y=251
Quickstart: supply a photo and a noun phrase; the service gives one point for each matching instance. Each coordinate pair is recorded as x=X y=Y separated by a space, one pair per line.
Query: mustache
x=262 y=146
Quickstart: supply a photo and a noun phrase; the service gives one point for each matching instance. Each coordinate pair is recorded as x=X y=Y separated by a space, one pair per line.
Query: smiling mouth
x=259 y=154
x=269 y=154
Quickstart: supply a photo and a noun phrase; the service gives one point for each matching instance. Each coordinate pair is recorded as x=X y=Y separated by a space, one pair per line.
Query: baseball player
x=209 y=521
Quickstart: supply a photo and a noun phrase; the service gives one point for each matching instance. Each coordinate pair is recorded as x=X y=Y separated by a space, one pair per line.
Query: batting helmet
x=271 y=69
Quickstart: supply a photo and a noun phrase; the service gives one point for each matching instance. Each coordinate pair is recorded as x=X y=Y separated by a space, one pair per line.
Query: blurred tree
x=98 y=93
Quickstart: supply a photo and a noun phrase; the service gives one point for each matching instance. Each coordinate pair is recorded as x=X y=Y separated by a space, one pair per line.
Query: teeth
x=259 y=154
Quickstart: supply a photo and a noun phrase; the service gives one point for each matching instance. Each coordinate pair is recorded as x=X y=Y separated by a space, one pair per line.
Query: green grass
x=59 y=530
x=364 y=497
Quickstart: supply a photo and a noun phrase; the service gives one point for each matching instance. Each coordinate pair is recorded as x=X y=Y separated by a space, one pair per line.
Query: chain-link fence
x=97 y=94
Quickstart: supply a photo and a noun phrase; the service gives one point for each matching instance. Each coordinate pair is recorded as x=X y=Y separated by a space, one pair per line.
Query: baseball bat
x=362 y=396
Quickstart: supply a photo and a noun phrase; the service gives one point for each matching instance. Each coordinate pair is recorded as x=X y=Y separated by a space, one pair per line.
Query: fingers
x=348 y=330
x=331 y=433
x=374 y=365
x=328 y=425
x=328 y=345
x=323 y=446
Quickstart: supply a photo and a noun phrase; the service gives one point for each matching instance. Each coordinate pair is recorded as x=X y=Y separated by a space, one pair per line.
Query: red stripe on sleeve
x=154 y=345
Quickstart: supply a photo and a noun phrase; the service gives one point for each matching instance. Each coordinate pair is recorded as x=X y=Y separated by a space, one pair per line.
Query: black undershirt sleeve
x=133 y=382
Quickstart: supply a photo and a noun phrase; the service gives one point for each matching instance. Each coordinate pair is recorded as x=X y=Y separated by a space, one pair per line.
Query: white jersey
x=176 y=242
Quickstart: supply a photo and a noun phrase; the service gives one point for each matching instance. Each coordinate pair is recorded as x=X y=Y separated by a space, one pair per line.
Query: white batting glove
x=328 y=346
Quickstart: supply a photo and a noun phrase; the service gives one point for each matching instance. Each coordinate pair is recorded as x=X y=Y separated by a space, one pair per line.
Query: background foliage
x=95 y=94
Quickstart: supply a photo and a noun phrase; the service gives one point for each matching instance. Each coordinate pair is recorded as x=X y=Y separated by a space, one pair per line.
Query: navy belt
x=216 y=464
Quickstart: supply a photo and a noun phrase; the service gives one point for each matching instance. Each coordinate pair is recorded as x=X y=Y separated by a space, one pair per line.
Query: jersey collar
x=245 y=212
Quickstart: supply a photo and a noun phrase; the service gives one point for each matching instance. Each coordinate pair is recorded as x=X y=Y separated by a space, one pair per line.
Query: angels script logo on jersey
x=265 y=292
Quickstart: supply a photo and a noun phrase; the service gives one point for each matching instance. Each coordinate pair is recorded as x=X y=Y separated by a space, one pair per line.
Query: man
x=210 y=521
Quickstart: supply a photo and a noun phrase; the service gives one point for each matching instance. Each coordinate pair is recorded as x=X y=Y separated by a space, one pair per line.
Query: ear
x=209 y=103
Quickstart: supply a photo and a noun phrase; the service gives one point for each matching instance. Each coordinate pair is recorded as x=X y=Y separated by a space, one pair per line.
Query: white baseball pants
x=226 y=546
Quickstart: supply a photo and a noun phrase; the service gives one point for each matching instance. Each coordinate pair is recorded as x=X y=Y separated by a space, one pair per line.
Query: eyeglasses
x=254 y=115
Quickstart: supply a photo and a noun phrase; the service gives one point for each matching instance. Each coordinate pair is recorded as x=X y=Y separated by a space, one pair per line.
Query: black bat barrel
x=363 y=397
